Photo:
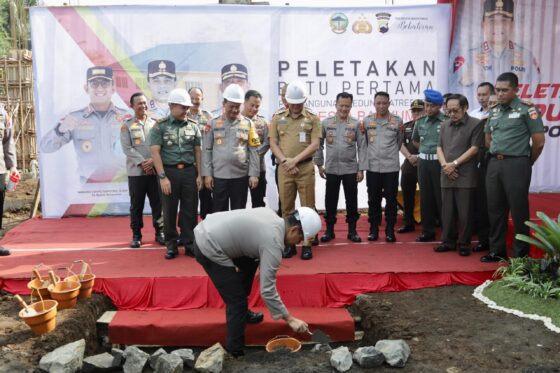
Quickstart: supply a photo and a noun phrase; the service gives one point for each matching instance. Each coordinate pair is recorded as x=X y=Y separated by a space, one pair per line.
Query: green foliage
x=21 y=23
x=536 y=277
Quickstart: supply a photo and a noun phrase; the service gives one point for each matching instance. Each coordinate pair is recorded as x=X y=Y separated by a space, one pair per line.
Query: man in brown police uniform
x=294 y=138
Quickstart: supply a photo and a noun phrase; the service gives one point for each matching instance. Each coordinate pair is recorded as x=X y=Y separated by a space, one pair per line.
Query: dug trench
x=446 y=328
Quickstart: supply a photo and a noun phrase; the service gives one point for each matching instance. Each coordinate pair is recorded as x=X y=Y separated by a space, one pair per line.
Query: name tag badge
x=515 y=115
x=302 y=137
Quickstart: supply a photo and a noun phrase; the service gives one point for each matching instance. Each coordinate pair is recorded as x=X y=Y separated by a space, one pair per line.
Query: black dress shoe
x=254 y=317
x=306 y=253
x=179 y=242
x=390 y=237
x=406 y=229
x=172 y=251
x=426 y=237
x=353 y=236
x=315 y=240
x=160 y=238
x=327 y=236
x=493 y=258
x=443 y=249
x=480 y=248
x=464 y=251
x=373 y=235
x=289 y=251
x=4 y=252
x=136 y=241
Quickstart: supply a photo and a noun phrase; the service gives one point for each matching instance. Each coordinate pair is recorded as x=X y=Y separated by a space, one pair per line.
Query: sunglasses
x=102 y=83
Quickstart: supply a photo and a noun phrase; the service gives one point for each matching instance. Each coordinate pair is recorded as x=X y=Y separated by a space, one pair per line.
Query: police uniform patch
x=219 y=141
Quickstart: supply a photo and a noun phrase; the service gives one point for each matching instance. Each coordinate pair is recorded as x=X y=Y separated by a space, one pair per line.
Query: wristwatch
x=162 y=175
x=456 y=163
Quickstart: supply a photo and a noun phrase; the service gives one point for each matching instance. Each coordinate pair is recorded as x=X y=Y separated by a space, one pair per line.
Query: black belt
x=503 y=156
x=306 y=160
x=178 y=165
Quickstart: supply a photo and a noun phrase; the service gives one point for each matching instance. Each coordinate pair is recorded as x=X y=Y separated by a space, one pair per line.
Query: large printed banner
x=400 y=50
x=521 y=36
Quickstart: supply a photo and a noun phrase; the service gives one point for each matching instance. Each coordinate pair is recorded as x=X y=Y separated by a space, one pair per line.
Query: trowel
x=320 y=337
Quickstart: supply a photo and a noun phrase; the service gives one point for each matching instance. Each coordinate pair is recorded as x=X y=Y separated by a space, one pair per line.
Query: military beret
x=417 y=104
x=161 y=67
x=433 y=96
x=495 y=7
x=234 y=70
x=102 y=72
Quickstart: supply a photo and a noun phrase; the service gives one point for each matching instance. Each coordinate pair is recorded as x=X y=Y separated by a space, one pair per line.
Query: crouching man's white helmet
x=310 y=222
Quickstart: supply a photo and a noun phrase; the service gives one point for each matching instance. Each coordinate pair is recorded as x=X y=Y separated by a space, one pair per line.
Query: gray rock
x=396 y=351
x=368 y=357
x=187 y=355
x=98 y=363
x=118 y=357
x=169 y=363
x=341 y=359
x=65 y=359
x=321 y=348
x=155 y=356
x=211 y=360
x=136 y=360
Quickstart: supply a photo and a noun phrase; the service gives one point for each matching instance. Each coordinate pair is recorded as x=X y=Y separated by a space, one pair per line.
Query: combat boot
x=329 y=233
x=352 y=234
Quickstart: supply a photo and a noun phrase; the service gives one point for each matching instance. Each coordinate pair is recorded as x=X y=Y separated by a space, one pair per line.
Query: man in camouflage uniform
x=409 y=170
x=175 y=147
x=344 y=141
x=8 y=161
x=426 y=137
x=497 y=53
x=202 y=117
x=515 y=138
x=251 y=108
x=230 y=157
x=94 y=131
x=142 y=180
x=161 y=80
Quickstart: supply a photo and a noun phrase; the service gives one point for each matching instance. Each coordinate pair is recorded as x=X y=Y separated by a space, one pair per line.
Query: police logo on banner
x=383 y=21
x=339 y=23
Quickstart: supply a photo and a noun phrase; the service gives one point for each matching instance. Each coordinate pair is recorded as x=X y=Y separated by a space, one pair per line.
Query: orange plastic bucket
x=65 y=293
x=40 y=316
x=86 y=278
x=40 y=283
x=281 y=342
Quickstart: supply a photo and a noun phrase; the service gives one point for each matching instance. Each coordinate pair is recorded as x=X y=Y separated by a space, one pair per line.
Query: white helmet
x=310 y=222
x=179 y=96
x=296 y=93
x=234 y=93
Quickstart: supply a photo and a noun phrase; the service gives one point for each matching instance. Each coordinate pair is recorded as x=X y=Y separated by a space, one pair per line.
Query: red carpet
x=142 y=280
x=204 y=327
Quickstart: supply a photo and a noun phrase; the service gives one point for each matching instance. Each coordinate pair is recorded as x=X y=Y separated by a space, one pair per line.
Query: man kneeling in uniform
x=229 y=256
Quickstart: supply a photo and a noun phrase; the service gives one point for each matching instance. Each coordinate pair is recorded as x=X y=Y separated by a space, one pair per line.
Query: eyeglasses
x=97 y=83
x=453 y=111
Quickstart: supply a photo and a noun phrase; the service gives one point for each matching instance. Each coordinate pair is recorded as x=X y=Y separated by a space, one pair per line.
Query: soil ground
x=446 y=328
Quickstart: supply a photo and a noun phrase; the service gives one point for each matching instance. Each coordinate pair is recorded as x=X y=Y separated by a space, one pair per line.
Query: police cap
x=234 y=70
x=161 y=67
x=433 y=96
x=495 y=7
x=417 y=105
x=102 y=72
